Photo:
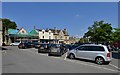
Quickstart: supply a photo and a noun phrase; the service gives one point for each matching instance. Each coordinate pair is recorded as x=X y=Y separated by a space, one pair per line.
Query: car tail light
x=108 y=54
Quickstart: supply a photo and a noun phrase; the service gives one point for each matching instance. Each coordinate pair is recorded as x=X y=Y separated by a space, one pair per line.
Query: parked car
x=25 y=45
x=115 y=49
x=68 y=46
x=37 y=45
x=43 y=48
x=15 y=43
x=73 y=46
x=98 y=53
x=57 y=49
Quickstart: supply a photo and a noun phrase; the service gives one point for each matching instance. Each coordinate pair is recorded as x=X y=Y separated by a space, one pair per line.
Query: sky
x=76 y=17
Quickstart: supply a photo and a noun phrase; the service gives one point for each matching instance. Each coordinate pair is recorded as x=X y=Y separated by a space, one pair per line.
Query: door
x=80 y=52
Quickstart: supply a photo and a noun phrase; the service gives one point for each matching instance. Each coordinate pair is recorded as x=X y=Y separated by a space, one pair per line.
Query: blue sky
x=76 y=17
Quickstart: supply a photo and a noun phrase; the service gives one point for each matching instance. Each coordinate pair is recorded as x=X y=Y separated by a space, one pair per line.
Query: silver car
x=98 y=53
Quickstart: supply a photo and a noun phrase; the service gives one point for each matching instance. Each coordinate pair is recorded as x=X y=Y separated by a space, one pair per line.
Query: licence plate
x=54 y=50
x=42 y=48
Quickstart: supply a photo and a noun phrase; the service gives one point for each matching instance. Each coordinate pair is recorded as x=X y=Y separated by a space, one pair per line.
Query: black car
x=68 y=46
x=57 y=49
x=25 y=45
x=37 y=45
x=43 y=48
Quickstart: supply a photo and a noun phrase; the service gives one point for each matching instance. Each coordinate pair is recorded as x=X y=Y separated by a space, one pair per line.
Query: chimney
x=65 y=29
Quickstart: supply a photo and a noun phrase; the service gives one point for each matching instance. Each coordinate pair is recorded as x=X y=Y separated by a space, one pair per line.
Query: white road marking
x=115 y=66
x=92 y=65
x=66 y=55
x=36 y=52
x=77 y=62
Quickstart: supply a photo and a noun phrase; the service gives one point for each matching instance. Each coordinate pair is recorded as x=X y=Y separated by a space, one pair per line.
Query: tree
x=6 y=24
x=116 y=35
x=83 y=40
x=99 y=32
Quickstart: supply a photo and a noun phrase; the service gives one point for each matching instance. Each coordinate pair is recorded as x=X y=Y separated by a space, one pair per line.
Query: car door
x=81 y=52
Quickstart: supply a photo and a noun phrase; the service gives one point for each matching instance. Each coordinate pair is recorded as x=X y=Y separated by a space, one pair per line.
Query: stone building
x=60 y=36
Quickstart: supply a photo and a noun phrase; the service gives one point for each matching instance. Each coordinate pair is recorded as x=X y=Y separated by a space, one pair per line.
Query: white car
x=98 y=53
x=15 y=44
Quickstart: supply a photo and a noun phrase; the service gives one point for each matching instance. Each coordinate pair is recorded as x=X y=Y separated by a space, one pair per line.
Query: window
x=66 y=38
x=92 y=48
x=43 y=32
x=49 y=33
x=81 y=48
x=61 y=37
x=55 y=37
x=49 y=37
x=99 y=48
x=43 y=37
x=23 y=32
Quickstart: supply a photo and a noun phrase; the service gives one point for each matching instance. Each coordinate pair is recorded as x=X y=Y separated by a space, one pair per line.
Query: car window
x=81 y=48
x=91 y=48
x=99 y=48
x=95 y=48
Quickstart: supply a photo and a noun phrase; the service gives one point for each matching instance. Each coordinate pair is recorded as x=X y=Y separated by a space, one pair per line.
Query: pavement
x=16 y=60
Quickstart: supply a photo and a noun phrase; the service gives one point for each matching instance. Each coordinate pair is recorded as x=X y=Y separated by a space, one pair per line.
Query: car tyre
x=49 y=55
x=71 y=56
x=99 y=60
x=38 y=51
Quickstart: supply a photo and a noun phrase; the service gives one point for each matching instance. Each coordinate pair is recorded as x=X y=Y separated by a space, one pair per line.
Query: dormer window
x=23 y=32
x=43 y=37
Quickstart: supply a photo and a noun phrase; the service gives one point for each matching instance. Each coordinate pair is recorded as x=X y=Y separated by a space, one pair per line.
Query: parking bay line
x=35 y=52
x=79 y=62
x=91 y=65
x=115 y=66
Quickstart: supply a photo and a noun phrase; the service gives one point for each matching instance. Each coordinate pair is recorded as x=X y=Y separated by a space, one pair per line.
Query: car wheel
x=38 y=51
x=99 y=60
x=25 y=47
x=71 y=56
x=49 y=54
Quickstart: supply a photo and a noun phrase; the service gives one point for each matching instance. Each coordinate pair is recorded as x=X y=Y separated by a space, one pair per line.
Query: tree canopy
x=8 y=24
x=116 y=35
x=99 y=32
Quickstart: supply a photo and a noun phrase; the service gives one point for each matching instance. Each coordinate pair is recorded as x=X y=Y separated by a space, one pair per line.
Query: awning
x=23 y=35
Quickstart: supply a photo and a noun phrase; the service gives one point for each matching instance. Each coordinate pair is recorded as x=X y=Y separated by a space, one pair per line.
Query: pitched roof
x=34 y=31
x=12 y=31
x=58 y=31
x=54 y=31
